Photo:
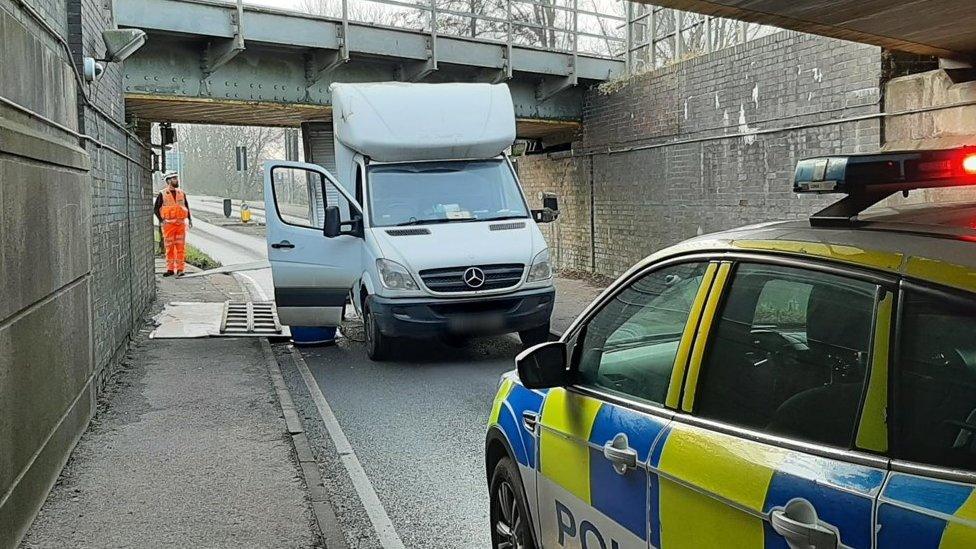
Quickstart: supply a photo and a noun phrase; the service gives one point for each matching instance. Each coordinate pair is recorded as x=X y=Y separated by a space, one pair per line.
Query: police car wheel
x=510 y=523
x=377 y=344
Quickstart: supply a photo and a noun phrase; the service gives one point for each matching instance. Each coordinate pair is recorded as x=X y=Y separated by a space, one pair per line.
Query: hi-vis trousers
x=174 y=239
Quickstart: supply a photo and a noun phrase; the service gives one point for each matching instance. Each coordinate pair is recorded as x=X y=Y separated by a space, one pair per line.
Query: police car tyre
x=510 y=522
x=378 y=345
x=535 y=336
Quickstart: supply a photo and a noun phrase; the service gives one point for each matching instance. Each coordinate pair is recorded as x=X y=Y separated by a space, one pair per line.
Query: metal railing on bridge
x=645 y=36
x=590 y=27
x=657 y=37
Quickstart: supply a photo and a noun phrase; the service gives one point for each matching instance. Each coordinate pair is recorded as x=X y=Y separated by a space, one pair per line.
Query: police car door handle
x=799 y=525
x=620 y=454
x=529 y=420
x=283 y=244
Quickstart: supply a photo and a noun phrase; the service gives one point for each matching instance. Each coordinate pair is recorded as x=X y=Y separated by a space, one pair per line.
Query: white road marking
x=382 y=524
x=257 y=287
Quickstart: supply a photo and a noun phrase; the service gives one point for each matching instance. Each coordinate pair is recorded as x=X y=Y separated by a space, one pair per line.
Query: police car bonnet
x=396 y=122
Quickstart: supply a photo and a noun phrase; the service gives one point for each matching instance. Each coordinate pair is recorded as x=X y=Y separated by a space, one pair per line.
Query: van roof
x=398 y=122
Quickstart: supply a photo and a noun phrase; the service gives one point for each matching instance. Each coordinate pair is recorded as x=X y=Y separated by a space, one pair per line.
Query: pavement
x=187 y=448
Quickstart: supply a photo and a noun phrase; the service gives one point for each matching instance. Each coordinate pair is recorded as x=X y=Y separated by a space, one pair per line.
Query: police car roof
x=935 y=243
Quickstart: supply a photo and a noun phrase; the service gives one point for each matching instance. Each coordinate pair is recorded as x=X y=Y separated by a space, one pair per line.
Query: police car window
x=629 y=346
x=789 y=353
x=935 y=381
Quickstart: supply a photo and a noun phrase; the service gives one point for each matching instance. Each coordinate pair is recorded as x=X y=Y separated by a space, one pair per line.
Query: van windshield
x=421 y=193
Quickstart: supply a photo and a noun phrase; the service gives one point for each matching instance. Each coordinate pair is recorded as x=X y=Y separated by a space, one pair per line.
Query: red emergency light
x=969 y=164
x=867 y=179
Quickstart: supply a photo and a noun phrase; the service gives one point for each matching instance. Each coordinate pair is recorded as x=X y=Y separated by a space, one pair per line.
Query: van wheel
x=377 y=344
x=511 y=526
x=535 y=335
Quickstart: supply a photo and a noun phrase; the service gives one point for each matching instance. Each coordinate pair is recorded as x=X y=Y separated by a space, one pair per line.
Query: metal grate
x=249 y=318
x=451 y=279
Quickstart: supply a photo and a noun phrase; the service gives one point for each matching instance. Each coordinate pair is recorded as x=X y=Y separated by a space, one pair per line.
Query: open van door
x=315 y=240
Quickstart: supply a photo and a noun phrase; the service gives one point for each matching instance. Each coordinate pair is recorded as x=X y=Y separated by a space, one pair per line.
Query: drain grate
x=250 y=318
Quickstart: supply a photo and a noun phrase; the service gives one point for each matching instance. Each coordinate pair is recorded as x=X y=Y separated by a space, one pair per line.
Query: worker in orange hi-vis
x=173 y=213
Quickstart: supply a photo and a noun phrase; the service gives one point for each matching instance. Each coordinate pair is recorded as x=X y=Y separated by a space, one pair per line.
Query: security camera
x=121 y=43
x=93 y=69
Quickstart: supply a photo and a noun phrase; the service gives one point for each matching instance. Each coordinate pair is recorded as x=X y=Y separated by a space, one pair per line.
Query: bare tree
x=209 y=165
x=366 y=12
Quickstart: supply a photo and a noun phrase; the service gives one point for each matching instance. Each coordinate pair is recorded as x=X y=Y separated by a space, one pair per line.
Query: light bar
x=886 y=173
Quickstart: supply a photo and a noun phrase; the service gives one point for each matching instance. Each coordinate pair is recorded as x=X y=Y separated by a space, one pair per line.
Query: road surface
x=416 y=425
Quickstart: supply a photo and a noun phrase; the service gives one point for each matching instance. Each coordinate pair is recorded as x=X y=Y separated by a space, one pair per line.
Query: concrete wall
x=704 y=145
x=58 y=201
x=951 y=124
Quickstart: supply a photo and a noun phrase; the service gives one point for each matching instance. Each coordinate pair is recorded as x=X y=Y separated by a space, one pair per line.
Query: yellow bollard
x=245 y=213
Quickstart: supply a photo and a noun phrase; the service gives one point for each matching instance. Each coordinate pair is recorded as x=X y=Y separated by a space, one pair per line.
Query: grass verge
x=193 y=255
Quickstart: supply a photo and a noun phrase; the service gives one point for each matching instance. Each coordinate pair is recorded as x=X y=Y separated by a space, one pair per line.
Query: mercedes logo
x=473 y=277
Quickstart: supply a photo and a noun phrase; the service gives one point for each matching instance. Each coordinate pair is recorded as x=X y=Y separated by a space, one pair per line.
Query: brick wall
x=75 y=243
x=121 y=185
x=704 y=145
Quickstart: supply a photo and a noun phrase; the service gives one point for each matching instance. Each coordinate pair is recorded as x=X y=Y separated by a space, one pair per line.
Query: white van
x=423 y=228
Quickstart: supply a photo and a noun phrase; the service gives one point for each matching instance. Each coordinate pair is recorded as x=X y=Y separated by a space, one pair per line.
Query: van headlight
x=394 y=276
x=540 y=269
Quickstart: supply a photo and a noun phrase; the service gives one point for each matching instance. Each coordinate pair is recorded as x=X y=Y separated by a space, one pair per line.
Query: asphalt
x=417 y=426
x=187 y=449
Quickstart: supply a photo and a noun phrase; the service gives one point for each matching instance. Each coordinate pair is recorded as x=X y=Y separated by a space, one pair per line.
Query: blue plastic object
x=313 y=335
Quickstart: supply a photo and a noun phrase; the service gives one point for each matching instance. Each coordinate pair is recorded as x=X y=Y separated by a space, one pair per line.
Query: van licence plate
x=476 y=323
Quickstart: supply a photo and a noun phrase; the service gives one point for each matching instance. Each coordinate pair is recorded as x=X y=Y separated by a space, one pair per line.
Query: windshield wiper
x=503 y=217
x=435 y=220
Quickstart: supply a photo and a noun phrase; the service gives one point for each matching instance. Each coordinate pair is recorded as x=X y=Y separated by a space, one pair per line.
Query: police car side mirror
x=543 y=366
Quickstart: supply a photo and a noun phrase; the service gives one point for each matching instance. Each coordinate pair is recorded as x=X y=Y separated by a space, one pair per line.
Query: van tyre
x=378 y=345
x=535 y=336
x=511 y=526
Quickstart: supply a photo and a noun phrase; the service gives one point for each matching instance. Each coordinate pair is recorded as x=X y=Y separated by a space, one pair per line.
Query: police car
x=798 y=384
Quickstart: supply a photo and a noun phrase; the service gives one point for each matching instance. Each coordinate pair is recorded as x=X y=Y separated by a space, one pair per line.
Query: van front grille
x=451 y=279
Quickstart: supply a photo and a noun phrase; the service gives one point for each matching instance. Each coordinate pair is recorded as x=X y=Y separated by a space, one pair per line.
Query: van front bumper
x=431 y=317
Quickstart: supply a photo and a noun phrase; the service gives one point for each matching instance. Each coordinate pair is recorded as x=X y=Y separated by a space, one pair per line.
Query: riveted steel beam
x=318 y=63
x=219 y=52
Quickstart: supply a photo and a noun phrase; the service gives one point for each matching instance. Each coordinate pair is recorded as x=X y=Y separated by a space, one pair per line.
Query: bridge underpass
x=942 y=28
x=219 y=63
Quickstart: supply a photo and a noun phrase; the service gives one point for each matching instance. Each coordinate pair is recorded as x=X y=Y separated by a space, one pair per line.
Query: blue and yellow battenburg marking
x=717 y=491
x=575 y=429
x=506 y=414
x=915 y=511
x=707 y=489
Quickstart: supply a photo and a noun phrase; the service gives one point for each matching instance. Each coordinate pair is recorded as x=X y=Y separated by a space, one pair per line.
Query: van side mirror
x=335 y=226
x=550 y=201
x=549 y=211
x=544 y=366
x=333 y=223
